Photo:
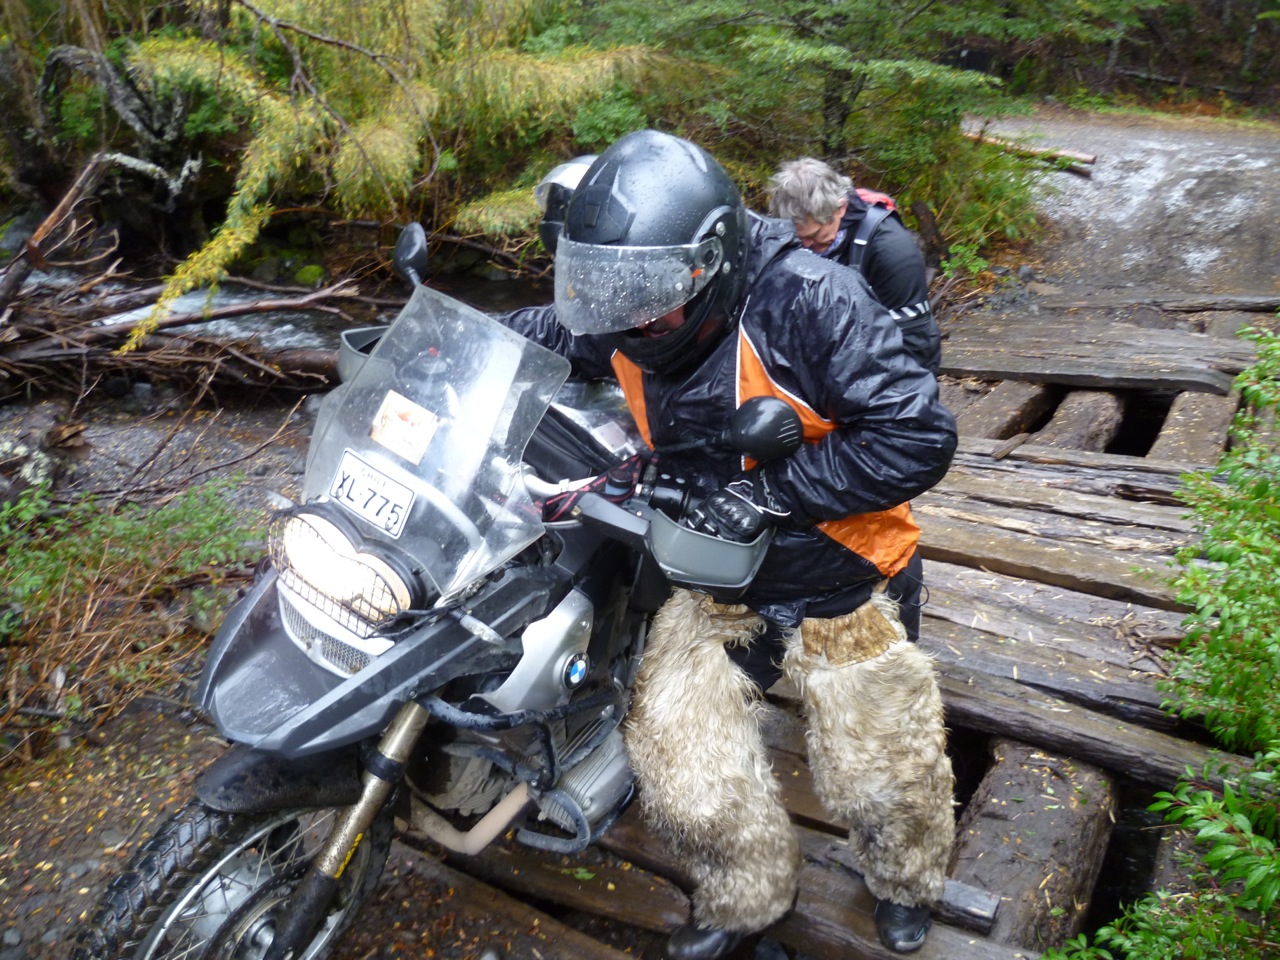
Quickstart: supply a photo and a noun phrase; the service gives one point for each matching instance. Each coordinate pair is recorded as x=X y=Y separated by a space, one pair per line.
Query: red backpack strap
x=875 y=198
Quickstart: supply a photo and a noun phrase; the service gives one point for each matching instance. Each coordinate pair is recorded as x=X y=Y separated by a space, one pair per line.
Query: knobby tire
x=186 y=850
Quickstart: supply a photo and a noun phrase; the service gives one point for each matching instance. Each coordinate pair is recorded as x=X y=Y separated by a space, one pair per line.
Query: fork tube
x=383 y=770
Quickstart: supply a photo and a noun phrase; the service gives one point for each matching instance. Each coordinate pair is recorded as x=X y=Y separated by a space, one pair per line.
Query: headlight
x=351 y=584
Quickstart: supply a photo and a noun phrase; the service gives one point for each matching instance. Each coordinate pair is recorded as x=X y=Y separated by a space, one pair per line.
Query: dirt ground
x=1171 y=207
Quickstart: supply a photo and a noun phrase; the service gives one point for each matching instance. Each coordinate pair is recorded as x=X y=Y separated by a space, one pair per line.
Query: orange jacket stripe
x=887 y=538
x=631 y=378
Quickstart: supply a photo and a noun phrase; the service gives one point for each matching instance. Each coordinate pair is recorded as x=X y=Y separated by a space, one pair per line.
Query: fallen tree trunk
x=1068 y=160
x=32 y=254
x=50 y=352
x=1183 y=303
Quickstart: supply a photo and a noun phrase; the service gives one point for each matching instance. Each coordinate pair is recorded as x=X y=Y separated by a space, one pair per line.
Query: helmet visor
x=607 y=289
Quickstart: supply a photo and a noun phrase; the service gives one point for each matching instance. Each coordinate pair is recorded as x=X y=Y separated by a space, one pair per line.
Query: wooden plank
x=1084 y=420
x=1003 y=707
x=590 y=881
x=1099 y=370
x=1102 y=630
x=1150 y=544
x=1196 y=428
x=1036 y=830
x=1077 y=567
x=1106 y=337
x=1011 y=407
x=1150 y=469
x=1181 y=303
x=833 y=917
x=977 y=480
x=1106 y=689
x=487 y=916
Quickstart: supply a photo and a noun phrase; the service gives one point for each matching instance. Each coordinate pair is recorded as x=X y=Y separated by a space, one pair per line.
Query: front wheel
x=214 y=885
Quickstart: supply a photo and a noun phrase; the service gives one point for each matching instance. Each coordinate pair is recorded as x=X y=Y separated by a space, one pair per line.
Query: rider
x=861 y=229
x=665 y=281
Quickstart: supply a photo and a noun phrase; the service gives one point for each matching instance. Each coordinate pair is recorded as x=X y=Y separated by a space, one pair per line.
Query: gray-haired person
x=861 y=229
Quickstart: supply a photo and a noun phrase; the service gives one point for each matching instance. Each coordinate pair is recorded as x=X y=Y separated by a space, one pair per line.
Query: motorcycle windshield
x=423 y=450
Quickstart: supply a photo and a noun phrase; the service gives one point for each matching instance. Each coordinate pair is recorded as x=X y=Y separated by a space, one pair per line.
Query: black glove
x=739 y=510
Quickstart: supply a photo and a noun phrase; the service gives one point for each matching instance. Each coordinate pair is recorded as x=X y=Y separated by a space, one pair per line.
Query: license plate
x=371 y=495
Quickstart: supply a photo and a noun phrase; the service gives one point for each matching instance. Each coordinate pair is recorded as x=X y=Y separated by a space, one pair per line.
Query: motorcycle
x=442 y=639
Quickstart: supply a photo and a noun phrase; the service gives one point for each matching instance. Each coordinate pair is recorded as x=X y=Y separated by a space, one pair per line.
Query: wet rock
x=12 y=937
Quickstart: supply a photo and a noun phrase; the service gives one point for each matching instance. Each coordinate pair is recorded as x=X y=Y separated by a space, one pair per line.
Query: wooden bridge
x=1049 y=615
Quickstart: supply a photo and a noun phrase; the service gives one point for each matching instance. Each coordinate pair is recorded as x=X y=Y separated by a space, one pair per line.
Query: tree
x=867 y=81
x=369 y=109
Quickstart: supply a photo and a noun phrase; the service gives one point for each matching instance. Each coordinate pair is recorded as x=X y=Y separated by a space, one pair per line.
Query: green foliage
x=1226 y=906
x=598 y=123
x=858 y=82
x=103 y=591
x=502 y=213
x=1229 y=666
x=1228 y=669
x=964 y=261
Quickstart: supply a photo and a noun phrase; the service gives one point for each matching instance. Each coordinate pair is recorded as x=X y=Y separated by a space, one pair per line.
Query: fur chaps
x=706 y=784
x=877 y=749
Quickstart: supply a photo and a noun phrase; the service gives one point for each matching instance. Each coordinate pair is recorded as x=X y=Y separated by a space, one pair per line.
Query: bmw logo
x=575 y=671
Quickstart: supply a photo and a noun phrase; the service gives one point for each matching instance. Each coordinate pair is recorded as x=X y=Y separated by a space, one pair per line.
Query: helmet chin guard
x=655 y=224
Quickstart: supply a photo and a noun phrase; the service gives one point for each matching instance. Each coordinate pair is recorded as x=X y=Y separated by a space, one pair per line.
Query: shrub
x=1228 y=670
x=103 y=601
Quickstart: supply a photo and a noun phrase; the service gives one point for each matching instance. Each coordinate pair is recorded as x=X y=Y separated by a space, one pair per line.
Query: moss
x=309 y=276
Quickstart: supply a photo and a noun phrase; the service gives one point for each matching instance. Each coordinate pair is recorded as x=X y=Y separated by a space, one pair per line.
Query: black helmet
x=655 y=224
x=553 y=195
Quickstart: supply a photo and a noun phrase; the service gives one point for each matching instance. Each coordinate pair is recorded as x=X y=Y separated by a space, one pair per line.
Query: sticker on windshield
x=404 y=427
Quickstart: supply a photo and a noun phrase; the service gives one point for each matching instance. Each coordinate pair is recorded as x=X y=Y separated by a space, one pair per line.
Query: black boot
x=692 y=942
x=902 y=929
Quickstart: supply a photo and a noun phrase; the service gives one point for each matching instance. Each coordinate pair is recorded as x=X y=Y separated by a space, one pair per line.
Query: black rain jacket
x=832 y=348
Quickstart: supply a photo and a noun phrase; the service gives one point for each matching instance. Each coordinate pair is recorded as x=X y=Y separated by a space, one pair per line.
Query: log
x=32 y=254
x=1102 y=630
x=1052 y=153
x=1181 y=303
x=1036 y=830
x=1141 y=479
x=1101 y=370
x=1000 y=485
x=1085 y=420
x=1087 y=338
x=997 y=706
x=1196 y=428
x=833 y=918
x=589 y=881
x=959 y=395
x=1150 y=544
x=472 y=909
x=1106 y=689
x=1011 y=407
x=1076 y=566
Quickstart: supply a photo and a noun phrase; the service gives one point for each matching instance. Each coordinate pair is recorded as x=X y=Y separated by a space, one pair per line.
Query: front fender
x=244 y=780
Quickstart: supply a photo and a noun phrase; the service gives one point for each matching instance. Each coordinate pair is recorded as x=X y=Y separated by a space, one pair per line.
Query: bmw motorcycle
x=442 y=640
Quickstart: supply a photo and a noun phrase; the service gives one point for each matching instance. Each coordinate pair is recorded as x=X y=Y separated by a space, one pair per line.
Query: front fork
x=383 y=770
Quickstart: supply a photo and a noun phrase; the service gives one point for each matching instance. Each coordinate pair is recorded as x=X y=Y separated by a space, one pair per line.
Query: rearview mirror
x=764 y=428
x=410 y=256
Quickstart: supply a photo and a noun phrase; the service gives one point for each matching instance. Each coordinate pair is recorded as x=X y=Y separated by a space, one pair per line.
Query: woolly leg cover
x=706 y=784
x=877 y=752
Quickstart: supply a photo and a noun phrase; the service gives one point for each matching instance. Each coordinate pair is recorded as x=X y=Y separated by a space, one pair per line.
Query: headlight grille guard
x=324 y=564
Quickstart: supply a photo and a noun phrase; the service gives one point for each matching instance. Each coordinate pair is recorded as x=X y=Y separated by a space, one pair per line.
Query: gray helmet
x=656 y=223
x=553 y=195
